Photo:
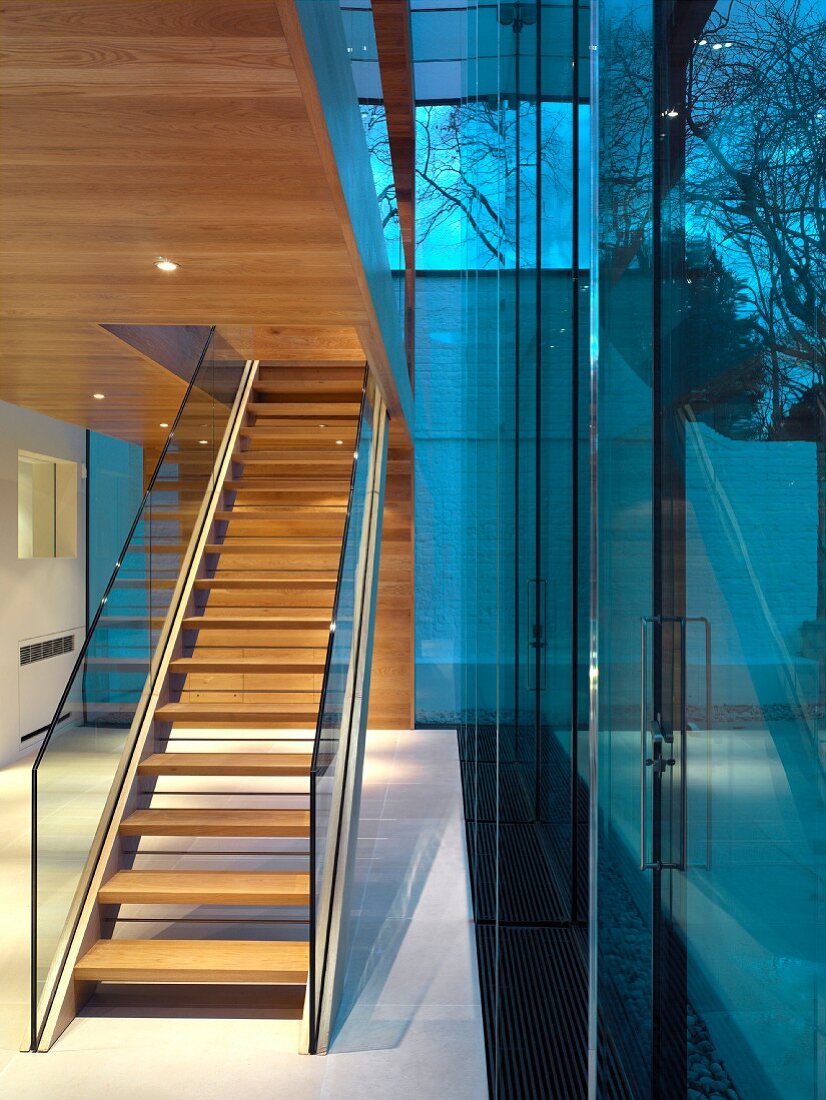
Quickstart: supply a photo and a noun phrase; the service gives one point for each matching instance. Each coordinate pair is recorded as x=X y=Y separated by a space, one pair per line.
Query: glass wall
x=699 y=740
x=501 y=484
x=360 y=36
x=115 y=483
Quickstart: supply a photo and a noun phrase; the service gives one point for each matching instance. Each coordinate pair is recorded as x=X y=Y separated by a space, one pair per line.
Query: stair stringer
x=107 y=856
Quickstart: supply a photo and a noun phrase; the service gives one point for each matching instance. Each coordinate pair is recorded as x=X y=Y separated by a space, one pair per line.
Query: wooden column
x=392 y=702
x=391 y=19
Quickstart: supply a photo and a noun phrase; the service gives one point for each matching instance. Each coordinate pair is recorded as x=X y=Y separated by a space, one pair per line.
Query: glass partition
x=360 y=34
x=114 y=490
x=501 y=492
x=342 y=720
x=83 y=754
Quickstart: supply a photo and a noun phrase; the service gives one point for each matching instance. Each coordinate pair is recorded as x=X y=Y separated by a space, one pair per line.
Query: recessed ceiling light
x=98 y=396
x=163 y=264
x=163 y=424
x=717 y=46
x=339 y=442
x=322 y=425
x=729 y=45
x=703 y=42
x=203 y=442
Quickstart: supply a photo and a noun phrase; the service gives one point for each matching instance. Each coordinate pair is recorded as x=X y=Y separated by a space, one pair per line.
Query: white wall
x=38 y=596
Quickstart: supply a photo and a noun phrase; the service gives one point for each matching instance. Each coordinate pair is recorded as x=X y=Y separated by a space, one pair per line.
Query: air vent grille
x=51 y=647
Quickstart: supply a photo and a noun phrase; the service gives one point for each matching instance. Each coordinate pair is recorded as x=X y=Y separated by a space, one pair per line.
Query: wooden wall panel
x=392 y=700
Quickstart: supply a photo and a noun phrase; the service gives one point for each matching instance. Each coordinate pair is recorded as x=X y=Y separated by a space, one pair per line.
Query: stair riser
x=313 y=439
x=244 y=526
x=236 y=561
x=265 y=692
x=280 y=685
x=251 y=599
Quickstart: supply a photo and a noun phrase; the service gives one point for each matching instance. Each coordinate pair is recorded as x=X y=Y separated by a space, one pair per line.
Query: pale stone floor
x=413 y=1022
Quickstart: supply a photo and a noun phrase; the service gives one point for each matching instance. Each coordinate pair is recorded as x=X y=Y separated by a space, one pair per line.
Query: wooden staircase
x=212 y=882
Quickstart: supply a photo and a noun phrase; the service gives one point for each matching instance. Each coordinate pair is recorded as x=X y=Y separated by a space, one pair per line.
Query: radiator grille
x=51 y=647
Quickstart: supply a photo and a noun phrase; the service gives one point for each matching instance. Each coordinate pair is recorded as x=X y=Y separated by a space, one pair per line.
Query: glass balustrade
x=86 y=748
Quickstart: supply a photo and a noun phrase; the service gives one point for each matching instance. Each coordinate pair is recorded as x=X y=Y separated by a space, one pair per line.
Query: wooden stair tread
x=266 y=581
x=274 y=542
x=264 y=513
x=265 y=962
x=287 y=421
x=206 y=888
x=297 y=546
x=233 y=621
x=321 y=439
x=345 y=383
x=307 y=432
x=226 y=763
x=214 y=822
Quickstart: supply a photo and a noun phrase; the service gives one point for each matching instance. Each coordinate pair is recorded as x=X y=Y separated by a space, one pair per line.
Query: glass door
x=740 y=295
x=711 y=513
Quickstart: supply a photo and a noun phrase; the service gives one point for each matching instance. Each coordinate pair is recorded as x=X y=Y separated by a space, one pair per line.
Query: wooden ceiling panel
x=55 y=368
x=134 y=129
x=99 y=19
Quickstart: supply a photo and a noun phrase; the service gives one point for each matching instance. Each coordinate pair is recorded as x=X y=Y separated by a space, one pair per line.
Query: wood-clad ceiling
x=135 y=129
x=56 y=366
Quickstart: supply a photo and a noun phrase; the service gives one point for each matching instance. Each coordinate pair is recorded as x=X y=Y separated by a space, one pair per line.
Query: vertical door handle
x=662 y=745
x=645 y=622
x=709 y=718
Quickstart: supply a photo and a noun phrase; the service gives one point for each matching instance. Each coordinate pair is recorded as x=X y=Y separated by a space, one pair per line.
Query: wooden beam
x=391 y=19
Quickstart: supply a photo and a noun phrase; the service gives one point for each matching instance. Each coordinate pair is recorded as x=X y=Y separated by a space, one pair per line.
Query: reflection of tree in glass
x=752 y=173
x=625 y=176
x=756 y=176
x=378 y=143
